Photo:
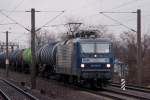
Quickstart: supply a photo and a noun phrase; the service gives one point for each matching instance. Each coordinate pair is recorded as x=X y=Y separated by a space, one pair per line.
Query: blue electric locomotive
x=87 y=60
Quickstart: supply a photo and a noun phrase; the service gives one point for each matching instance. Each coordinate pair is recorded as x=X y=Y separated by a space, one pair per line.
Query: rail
x=131 y=87
x=6 y=96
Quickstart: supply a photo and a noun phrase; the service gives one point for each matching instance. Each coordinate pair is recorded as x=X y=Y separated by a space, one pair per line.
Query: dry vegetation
x=126 y=51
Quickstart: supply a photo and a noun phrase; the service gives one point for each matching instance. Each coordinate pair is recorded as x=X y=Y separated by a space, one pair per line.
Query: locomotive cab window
x=102 y=48
x=95 y=47
x=87 y=48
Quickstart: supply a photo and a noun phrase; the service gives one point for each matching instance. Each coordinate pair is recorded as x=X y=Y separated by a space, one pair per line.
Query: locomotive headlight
x=82 y=65
x=108 y=65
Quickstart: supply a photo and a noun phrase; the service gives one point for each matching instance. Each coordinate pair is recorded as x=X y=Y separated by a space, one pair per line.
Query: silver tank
x=13 y=56
x=47 y=54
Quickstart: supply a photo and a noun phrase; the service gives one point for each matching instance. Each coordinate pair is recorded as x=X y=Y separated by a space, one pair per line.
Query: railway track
x=112 y=92
x=116 y=93
x=11 y=92
x=131 y=87
x=102 y=94
x=133 y=92
x=106 y=94
x=3 y=96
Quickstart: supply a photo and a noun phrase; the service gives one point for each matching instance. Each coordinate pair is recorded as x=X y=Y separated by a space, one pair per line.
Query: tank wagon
x=46 y=59
x=13 y=59
x=19 y=59
x=26 y=60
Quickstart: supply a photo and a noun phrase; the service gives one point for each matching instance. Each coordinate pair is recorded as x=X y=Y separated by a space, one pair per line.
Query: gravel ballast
x=48 y=89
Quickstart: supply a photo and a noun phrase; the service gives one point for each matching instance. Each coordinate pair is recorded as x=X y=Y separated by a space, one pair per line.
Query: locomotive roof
x=92 y=40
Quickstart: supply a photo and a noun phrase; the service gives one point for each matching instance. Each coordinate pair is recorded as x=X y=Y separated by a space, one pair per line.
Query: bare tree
x=44 y=36
x=126 y=50
x=84 y=30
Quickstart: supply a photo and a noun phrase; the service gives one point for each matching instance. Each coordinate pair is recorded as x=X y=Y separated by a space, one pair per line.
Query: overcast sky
x=85 y=11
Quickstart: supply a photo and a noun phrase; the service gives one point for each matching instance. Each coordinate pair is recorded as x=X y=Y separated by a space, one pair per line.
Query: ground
x=49 y=89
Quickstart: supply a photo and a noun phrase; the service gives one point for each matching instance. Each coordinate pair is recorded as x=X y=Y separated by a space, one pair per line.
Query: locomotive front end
x=96 y=60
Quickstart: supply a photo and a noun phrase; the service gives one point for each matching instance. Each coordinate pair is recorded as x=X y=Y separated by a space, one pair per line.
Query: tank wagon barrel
x=2 y=58
x=47 y=54
x=27 y=55
x=13 y=56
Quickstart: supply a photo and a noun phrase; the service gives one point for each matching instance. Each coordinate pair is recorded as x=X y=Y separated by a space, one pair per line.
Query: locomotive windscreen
x=95 y=47
x=102 y=48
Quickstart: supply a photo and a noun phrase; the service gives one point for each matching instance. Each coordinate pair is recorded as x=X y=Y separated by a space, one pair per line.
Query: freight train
x=79 y=60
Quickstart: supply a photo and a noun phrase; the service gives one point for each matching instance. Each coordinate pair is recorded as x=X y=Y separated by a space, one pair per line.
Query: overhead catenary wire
x=118 y=12
x=19 y=4
x=50 y=20
x=56 y=25
x=112 y=25
x=13 y=9
x=50 y=11
x=133 y=19
x=118 y=22
x=7 y=23
x=14 y=21
x=124 y=4
x=44 y=11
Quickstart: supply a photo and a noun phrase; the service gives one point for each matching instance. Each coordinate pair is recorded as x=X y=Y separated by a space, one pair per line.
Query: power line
x=18 y=5
x=112 y=25
x=57 y=25
x=118 y=22
x=7 y=23
x=44 y=11
x=13 y=9
x=146 y=15
x=51 y=20
x=24 y=26
x=118 y=12
x=125 y=4
x=133 y=19
x=14 y=21
x=50 y=11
